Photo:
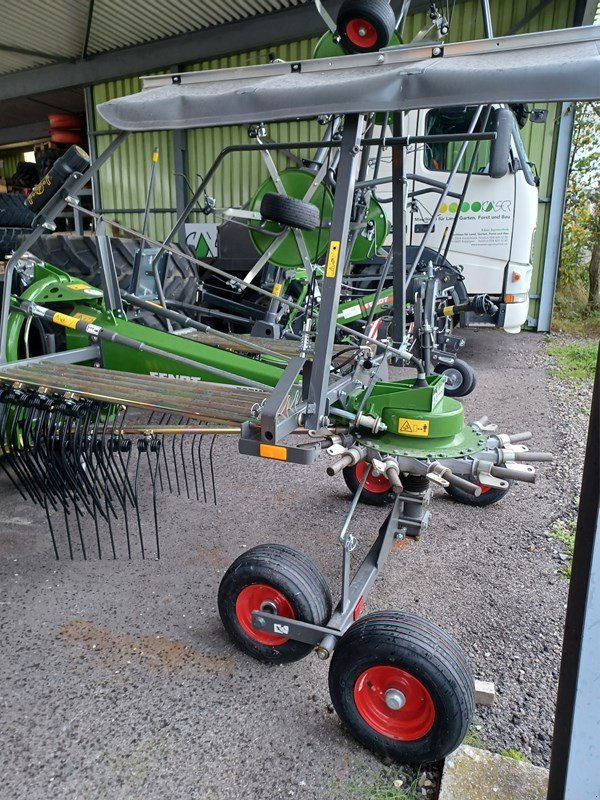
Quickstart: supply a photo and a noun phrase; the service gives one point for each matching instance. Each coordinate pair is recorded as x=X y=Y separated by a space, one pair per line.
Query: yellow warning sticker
x=413 y=427
x=65 y=320
x=277 y=289
x=84 y=317
x=78 y=287
x=273 y=451
x=332 y=259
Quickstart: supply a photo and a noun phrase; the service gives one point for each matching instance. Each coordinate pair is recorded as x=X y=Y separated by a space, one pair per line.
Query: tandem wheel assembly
x=400 y=685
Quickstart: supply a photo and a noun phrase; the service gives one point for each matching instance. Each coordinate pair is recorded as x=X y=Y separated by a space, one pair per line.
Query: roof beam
x=24 y=133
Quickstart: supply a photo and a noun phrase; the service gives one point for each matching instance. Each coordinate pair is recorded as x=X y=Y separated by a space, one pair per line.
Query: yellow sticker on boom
x=332 y=259
x=413 y=427
x=65 y=320
x=78 y=287
x=277 y=289
x=273 y=451
x=84 y=317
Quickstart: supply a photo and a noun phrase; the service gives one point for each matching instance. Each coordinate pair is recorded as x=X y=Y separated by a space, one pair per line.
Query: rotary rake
x=402 y=686
x=83 y=443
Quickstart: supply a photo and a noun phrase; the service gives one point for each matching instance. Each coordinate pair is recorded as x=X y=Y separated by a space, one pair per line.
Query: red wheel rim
x=484 y=489
x=257 y=597
x=378 y=688
x=359 y=608
x=378 y=484
x=361 y=33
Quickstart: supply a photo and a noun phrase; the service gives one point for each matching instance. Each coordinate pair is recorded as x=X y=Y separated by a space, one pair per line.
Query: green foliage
x=474 y=737
x=517 y=755
x=564 y=532
x=393 y=785
x=574 y=361
x=573 y=315
x=581 y=227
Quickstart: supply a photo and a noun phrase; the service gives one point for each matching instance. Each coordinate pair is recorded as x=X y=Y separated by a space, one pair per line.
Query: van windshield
x=441 y=157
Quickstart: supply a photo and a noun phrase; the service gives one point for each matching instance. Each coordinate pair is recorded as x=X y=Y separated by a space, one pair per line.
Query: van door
x=481 y=243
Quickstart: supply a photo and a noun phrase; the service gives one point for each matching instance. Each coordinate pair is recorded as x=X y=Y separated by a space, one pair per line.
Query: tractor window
x=442 y=157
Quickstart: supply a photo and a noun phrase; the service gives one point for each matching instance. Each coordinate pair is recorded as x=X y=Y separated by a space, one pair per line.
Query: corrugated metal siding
x=8 y=164
x=124 y=181
x=117 y=24
x=125 y=177
x=53 y=32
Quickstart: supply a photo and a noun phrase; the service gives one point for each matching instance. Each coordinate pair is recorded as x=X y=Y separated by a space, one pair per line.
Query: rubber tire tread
x=393 y=634
x=290 y=211
x=494 y=495
x=14 y=213
x=378 y=12
x=295 y=576
x=466 y=371
x=366 y=497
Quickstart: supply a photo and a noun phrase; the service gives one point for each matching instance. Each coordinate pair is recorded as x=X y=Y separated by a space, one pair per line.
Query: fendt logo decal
x=478 y=207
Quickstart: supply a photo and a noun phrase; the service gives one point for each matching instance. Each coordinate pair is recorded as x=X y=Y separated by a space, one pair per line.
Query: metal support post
x=576 y=745
x=332 y=280
x=399 y=189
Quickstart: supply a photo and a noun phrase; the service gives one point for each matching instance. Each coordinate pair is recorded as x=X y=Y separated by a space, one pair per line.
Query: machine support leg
x=332 y=281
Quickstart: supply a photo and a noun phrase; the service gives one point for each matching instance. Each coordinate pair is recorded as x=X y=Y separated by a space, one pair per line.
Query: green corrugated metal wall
x=8 y=164
x=124 y=179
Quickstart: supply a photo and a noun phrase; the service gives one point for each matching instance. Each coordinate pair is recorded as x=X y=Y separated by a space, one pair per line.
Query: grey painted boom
x=550 y=66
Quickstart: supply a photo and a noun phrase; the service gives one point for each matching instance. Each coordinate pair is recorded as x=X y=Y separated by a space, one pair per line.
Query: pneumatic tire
x=489 y=495
x=460 y=378
x=365 y=26
x=402 y=686
x=275 y=578
x=377 y=490
x=290 y=212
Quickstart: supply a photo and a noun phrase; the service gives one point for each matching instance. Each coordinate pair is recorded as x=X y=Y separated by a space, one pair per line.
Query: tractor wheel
x=460 y=378
x=279 y=580
x=489 y=495
x=365 y=26
x=14 y=213
x=402 y=686
x=377 y=490
x=78 y=255
x=290 y=211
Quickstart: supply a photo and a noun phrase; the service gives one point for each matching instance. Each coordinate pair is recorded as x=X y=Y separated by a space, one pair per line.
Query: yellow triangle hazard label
x=413 y=427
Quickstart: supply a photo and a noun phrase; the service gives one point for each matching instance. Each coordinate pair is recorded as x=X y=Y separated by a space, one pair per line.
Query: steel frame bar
x=73 y=185
x=332 y=279
x=326 y=636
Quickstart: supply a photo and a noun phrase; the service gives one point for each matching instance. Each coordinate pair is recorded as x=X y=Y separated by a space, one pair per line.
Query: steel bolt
x=436 y=51
x=394 y=699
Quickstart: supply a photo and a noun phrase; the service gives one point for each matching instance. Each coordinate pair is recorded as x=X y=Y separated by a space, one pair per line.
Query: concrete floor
x=118 y=681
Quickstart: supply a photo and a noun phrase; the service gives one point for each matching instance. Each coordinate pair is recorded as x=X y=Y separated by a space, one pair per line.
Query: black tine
x=155 y=447
x=51 y=529
x=164 y=452
x=212 y=469
x=193 y=457
x=181 y=445
x=201 y=467
x=140 y=447
x=175 y=462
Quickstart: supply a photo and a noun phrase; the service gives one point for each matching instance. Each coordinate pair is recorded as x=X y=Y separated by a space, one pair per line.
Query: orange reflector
x=516 y=276
x=516 y=298
x=273 y=451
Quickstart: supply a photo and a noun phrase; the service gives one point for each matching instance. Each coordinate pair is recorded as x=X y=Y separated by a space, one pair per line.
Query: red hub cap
x=394 y=703
x=361 y=33
x=483 y=488
x=378 y=484
x=261 y=597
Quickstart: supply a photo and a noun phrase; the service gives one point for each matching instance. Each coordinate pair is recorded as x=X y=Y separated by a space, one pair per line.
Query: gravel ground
x=119 y=682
